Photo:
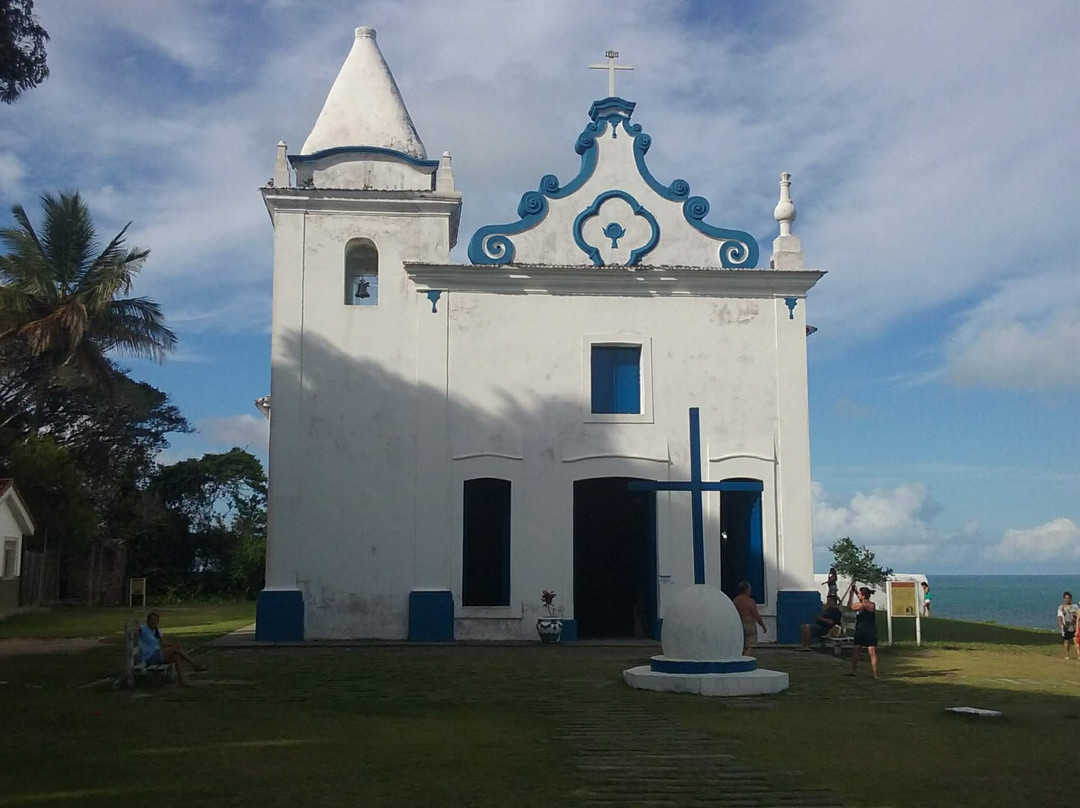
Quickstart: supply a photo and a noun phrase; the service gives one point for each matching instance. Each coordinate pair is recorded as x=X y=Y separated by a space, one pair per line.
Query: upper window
x=616 y=379
x=361 y=274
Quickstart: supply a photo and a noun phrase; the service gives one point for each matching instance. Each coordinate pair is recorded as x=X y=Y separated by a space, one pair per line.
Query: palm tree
x=60 y=304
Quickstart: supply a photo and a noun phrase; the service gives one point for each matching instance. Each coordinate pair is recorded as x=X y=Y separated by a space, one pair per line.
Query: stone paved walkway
x=628 y=757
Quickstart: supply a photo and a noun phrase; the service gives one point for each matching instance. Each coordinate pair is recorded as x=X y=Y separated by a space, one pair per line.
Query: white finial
x=611 y=67
x=444 y=177
x=281 y=166
x=787 y=249
x=363 y=31
x=784 y=213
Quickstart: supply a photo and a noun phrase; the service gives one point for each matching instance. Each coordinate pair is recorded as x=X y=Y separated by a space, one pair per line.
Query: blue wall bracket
x=433 y=295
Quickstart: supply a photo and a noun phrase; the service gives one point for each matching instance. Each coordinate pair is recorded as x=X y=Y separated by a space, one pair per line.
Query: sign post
x=136 y=586
x=903 y=602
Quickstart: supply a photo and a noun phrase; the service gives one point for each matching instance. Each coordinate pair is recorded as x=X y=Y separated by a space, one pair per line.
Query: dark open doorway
x=742 y=556
x=614 y=559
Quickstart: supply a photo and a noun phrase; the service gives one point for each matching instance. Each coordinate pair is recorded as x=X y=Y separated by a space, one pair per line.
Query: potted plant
x=549 y=628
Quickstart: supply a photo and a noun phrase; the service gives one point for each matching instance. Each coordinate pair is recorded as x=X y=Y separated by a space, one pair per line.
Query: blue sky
x=934 y=161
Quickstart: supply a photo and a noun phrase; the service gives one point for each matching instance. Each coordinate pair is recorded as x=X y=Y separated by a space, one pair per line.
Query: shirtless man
x=750 y=617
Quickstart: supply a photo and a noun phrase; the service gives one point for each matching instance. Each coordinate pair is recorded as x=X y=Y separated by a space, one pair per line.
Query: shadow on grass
x=454 y=725
x=921 y=753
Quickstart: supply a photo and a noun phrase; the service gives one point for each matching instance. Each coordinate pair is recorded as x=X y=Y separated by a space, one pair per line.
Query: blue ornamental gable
x=614 y=212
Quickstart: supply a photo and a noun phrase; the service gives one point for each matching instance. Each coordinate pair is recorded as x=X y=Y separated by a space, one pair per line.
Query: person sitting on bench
x=153 y=652
x=822 y=624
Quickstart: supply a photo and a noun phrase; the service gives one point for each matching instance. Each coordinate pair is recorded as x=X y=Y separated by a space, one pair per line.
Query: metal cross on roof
x=611 y=67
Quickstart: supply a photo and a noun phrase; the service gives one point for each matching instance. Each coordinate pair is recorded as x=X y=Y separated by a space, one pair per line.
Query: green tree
x=214 y=539
x=54 y=488
x=857 y=563
x=62 y=305
x=22 y=49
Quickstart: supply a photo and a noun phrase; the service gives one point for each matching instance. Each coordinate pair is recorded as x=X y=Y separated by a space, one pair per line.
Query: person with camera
x=865 y=628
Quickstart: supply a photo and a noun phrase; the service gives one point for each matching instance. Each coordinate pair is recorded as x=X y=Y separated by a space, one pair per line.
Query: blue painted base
x=660 y=664
x=279 y=616
x=793 y=608
x=569 y=630
x=431 y=615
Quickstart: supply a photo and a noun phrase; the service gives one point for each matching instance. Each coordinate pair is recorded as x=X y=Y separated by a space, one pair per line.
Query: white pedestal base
x=749 y=683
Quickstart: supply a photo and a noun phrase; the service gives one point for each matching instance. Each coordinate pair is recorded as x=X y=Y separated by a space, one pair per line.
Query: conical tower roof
x=364 y=107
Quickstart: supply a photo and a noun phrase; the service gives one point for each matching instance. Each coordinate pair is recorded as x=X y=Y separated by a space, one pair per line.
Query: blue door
x=742 y=545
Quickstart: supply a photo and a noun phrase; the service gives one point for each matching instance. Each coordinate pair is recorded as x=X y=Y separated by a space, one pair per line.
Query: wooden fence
x=39 y=581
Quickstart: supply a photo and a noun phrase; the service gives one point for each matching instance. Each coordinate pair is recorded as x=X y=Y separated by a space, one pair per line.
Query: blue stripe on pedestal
x=793 y=608
x=660 y=665
x=279 y=616
x=431 y=615
x=569 y=630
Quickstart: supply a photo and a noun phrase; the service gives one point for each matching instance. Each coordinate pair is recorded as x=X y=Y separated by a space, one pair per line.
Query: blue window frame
x=616 y=379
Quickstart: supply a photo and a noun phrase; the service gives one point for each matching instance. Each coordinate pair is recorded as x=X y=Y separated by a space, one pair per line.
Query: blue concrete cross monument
x=702 y=638
x=696 y=487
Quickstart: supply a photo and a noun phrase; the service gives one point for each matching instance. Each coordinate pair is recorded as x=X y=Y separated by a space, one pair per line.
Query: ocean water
x=1026 y=601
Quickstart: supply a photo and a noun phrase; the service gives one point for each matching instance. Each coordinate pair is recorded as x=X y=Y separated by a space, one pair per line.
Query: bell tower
x=359 y=200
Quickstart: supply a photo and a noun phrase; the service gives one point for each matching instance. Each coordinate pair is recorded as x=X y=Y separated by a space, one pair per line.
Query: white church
x=607 y=400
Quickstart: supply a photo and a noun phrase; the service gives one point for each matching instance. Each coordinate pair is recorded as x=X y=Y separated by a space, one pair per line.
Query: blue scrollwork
x=738 y=249
x=614 y=231
x=492 y=245
x=594 y=209
x=791 y=302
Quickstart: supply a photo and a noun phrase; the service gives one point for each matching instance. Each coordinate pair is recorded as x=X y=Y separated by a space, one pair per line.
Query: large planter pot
x=549 y=628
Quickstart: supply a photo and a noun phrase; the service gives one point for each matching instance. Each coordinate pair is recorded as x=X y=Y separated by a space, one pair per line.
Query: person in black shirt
x=821 y=625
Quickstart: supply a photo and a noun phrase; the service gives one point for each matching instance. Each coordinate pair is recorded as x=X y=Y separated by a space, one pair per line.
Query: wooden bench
x=838 y=644
x=134 y=667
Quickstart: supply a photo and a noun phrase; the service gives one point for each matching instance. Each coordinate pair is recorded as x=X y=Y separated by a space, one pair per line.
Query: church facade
x=448 y=440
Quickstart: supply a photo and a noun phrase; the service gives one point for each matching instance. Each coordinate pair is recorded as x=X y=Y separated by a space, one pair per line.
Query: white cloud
x=1021 y=337
x=250 y=432
x=897 y=524
x=925 y=140
x=12 y=172
x=897 y=516
x=1057 y=541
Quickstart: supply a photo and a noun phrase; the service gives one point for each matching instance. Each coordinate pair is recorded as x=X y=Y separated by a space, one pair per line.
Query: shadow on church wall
x=367 y=477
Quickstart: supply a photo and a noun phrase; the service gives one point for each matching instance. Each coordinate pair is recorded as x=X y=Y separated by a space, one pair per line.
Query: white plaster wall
x=374 y=172
x=344 y=433
x=381 y=413
x=9 y=529
x=396 y=406
x=518 y=360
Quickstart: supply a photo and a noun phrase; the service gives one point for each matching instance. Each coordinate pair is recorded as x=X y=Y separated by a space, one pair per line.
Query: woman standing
x=865 y=628
x=833 y=591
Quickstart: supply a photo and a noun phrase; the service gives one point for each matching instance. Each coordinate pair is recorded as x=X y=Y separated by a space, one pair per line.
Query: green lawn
x=212 y=619
x=504 y=726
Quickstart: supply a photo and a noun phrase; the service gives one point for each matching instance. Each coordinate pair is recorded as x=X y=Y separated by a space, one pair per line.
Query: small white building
x=15 y=524
x=448 y=440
